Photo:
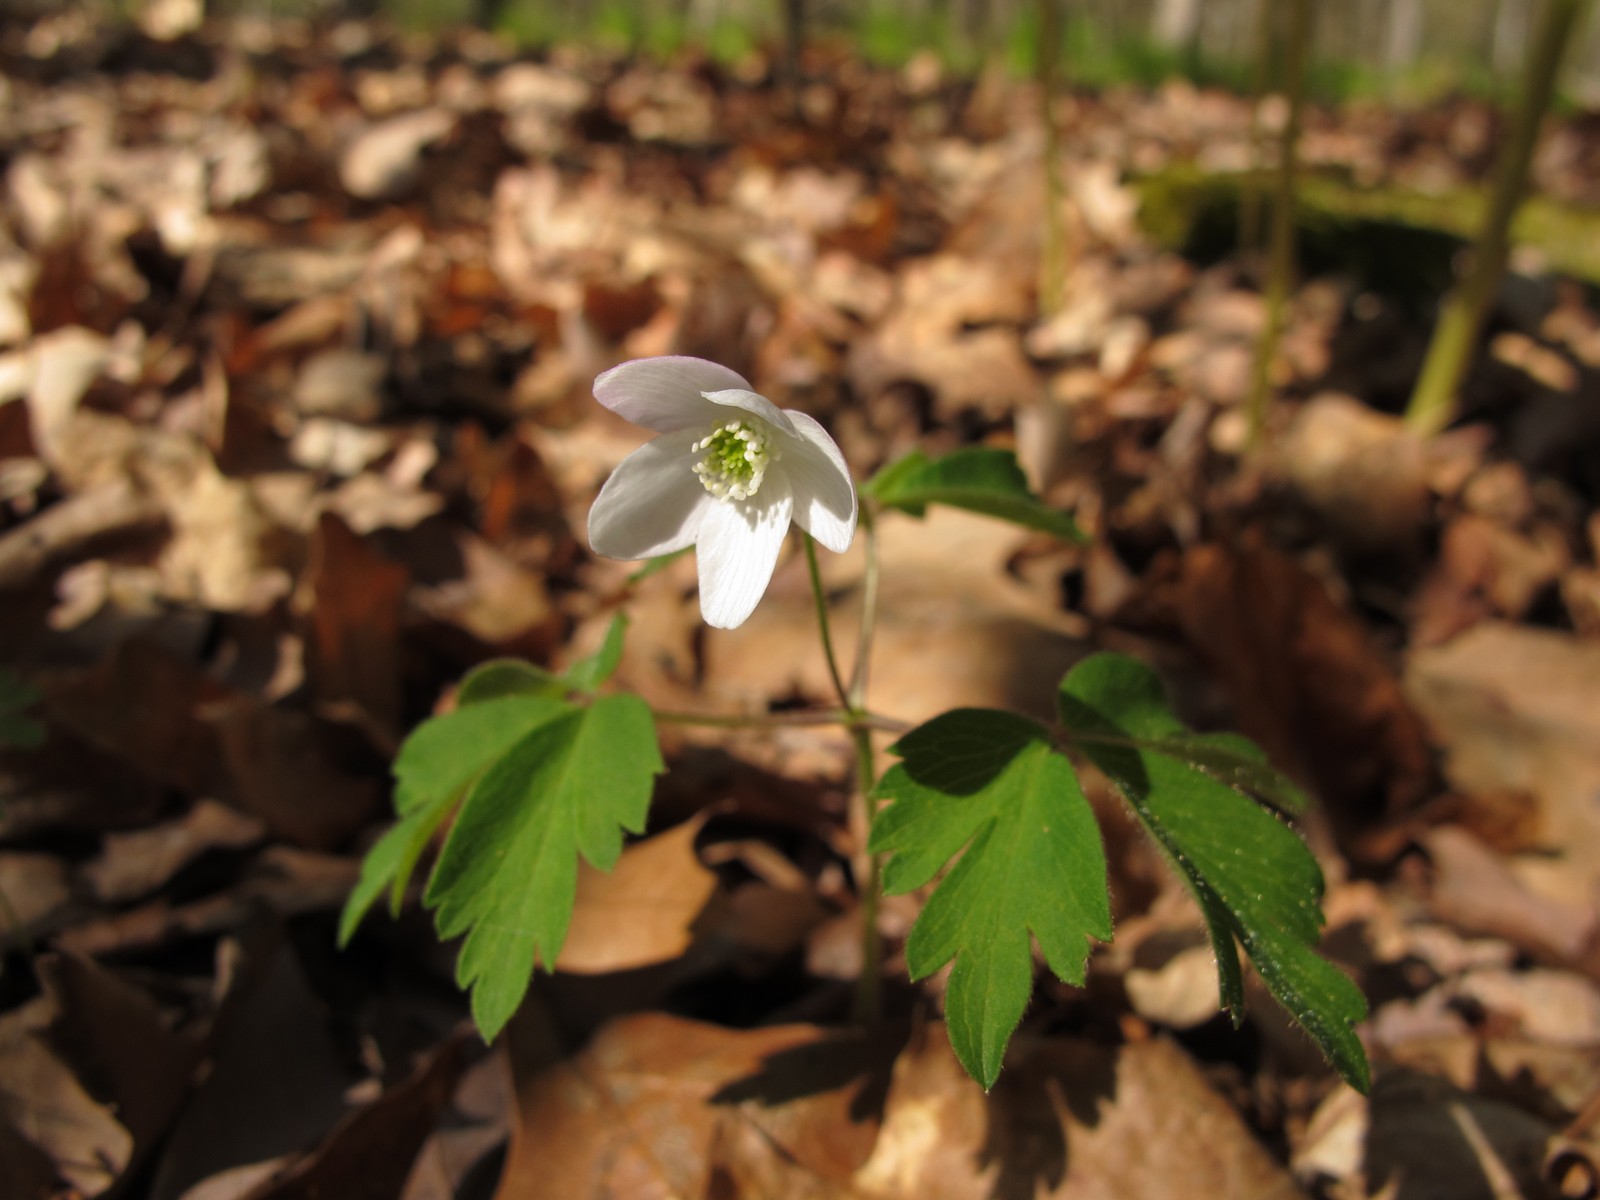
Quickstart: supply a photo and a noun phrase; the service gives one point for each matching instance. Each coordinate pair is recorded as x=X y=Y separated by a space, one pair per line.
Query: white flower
x=727 y=475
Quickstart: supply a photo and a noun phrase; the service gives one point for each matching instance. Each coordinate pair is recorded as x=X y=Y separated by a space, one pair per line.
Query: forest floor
x=298 y=329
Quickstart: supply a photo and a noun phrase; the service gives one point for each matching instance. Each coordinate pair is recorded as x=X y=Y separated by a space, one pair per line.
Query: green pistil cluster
x=735 y=460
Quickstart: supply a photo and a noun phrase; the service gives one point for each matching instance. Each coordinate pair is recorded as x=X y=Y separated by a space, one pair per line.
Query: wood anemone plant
x=1455 y=337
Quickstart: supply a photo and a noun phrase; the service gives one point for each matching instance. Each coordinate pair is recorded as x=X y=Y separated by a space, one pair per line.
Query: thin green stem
x=868 y=1000
x=1250 y=192
x=869 y=867
x=848 y=718
x=1280 y=266
x=869 y=614
x=821 y=599
x=1053 y=259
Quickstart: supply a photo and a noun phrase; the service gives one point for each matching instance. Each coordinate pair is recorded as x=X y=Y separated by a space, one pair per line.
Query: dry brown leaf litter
x=296 y=331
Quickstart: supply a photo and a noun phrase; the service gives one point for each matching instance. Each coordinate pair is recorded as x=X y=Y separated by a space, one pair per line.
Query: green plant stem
x=1053 y=259
x=870 y=868
x=869 y=614
x=1461 y=318
x=1280 y=267
x=821 y=599
x=849 y=719
x=868 y=999
x=1250 y=193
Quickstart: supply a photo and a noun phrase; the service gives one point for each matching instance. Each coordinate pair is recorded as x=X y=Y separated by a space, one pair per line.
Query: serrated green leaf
x=432 y=771
x=507 y=874
x=990 y=783
x=446 y=753
x=503 y=677
x=1230 y=759
x=587 y=674
x=1255 y=879
x=1236 y=761
x=391 y=860
x=979 y=479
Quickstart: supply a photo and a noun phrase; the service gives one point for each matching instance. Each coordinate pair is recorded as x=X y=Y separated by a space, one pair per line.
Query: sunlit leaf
x=1256 y=881
x=976 y=478
x=507 y=874
x=988 y=786
x=432 y=771
x=504 y=677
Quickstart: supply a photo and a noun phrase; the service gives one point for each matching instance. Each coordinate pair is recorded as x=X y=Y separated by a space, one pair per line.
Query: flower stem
x=856 y=719
x=869 y=612
x=869 y=867
x=868 y=1003
x=822 y=622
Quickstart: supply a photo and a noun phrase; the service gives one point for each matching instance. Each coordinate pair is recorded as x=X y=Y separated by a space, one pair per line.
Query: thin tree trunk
x=1175 y=24
x=1403 y=38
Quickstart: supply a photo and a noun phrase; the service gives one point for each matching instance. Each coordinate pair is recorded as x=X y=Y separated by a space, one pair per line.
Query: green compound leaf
x=977 y=478
x=503 y=677
x=508 y=872
x=432 y=772
x=1254 y=878
x=989 y=782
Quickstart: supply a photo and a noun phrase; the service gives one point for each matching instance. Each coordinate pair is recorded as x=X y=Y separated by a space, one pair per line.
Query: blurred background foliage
x=1395 y=50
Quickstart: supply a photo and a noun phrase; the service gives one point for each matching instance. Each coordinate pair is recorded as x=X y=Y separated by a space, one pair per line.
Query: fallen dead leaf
x=1068 y=1119
x=643 y=910
x=1362 y=471
x=43 y=1101
x=385 y=160
x=1515 y=708
x=355 y=603
x=131 y=865
x=141 y=706
x=1307 y=682
x=281 y=880
x=658 y=1106
x=34 y=890
x=276 y=1084
x=121 y=1047
x=1478 y=890
x=1430 y=1141
x=370 y=1153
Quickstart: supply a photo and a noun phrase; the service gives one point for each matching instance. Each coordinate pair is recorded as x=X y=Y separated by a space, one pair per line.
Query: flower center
x=734 y=459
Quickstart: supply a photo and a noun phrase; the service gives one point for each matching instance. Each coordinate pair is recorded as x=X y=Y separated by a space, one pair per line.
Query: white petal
x=737 y=550
x=653 y=502
x=664 y=393
x=824 y=494
x=754 y=403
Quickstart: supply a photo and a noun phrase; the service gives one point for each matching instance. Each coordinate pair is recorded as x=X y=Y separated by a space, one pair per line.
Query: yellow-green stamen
x=735 y=460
